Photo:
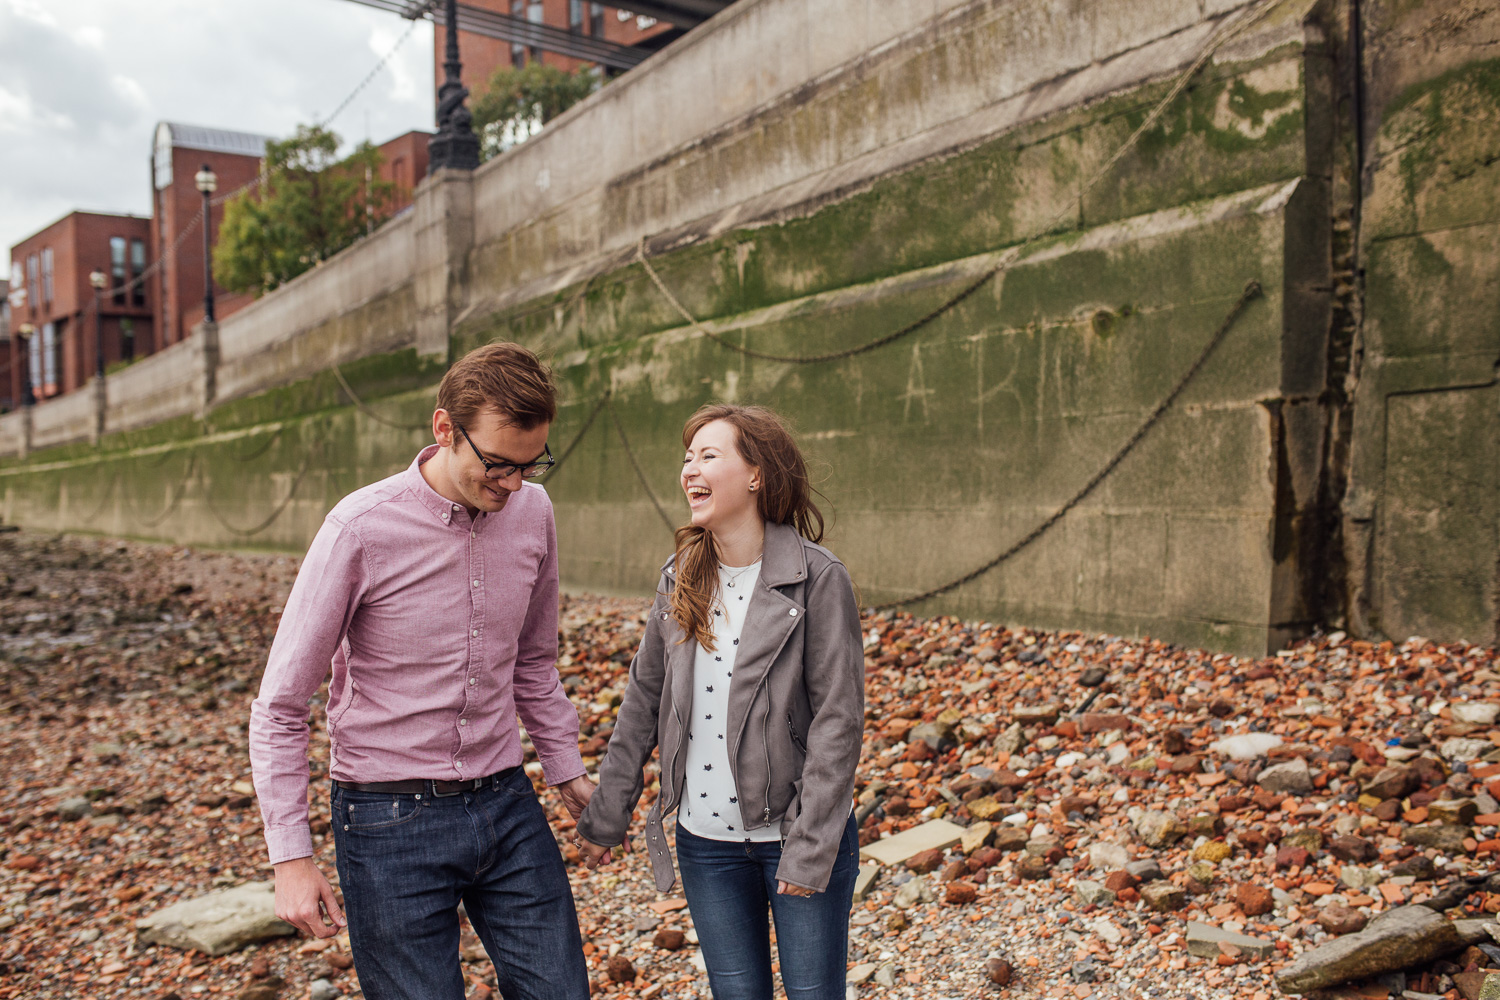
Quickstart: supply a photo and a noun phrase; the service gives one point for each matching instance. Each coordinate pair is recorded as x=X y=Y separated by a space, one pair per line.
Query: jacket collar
x=783 y=560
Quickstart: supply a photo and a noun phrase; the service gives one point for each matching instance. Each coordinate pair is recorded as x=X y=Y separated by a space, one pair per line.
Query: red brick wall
x=404 y=164
x=176 y=205
x=80 y=244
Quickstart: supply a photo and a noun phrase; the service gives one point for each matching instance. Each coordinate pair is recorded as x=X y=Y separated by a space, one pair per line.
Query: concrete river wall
x=1218 y=278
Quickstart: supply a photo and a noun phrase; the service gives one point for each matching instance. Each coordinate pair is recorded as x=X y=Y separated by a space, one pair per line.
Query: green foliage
x=308 y=206
x=518 y=102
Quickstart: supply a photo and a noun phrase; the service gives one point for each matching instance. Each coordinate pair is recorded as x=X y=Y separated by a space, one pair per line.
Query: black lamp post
x=207 y=183
x=455 y=144
x=28 y=396
x=98 y=279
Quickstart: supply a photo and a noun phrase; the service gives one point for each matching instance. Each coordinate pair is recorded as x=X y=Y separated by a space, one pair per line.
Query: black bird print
x=734 y=798
x=708 y=767
x=710 y=689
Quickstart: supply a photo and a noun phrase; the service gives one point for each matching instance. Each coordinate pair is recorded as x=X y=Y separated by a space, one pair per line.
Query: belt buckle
x=433 y=787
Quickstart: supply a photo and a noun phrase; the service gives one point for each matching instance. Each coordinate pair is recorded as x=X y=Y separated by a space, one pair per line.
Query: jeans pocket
x=380 y=815
x=518 y=785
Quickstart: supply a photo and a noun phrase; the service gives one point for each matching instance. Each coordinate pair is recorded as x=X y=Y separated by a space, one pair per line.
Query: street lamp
x=28 y=397
x=207 y=183
x=99 y=280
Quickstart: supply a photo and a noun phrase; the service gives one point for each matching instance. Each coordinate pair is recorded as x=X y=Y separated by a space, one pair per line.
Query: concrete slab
x=1203 y=940
x=865 y=881
x=935 y=835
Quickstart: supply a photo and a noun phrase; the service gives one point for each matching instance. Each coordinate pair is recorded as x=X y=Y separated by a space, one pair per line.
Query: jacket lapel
x=769 y=620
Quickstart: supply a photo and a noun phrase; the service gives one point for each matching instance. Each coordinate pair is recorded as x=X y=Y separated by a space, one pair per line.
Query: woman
x=750 y=679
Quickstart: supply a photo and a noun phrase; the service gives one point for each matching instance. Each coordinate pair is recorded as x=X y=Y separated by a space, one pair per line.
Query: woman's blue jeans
x=406 y=861
x=729 y=888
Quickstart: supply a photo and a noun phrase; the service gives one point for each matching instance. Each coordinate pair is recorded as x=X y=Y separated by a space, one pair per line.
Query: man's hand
x=576 y=793
x=305 y=900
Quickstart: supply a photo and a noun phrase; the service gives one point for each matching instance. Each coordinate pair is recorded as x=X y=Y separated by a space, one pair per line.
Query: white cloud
x=83 y=83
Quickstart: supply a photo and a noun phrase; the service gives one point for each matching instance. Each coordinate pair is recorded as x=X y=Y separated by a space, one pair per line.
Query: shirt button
x=455 y=506
x=463 y=722
x=476 y=583
x=475 y=633
x=473 y=680
x=792 y=612
x=445 y=515
x=458 y=763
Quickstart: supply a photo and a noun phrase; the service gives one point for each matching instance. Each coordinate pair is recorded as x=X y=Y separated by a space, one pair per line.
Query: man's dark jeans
x=405 y=862
x=729 y=887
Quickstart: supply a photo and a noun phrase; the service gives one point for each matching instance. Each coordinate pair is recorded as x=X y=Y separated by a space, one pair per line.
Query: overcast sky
x=83 y=83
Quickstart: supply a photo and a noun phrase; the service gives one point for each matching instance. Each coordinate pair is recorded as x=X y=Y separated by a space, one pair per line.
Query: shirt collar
x=442 y=508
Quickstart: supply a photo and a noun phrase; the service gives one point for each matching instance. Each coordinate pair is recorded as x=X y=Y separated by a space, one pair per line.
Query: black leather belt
x=429 y=786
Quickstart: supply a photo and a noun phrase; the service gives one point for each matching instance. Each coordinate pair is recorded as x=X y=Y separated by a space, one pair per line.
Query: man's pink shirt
x=439 y=629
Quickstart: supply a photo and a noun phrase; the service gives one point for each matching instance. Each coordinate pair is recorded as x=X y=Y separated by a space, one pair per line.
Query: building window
x=49 y=359
x=47 y=275
x=117 y=273
x=34 y=359
x=127 y=339
x=575 y=16
x=137 y=272
x=534 y=14
x=517 y=50
x=596 y=20
x=32 y=280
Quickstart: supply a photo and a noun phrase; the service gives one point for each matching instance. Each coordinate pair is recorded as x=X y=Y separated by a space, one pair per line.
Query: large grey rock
x=1481 y=713
x=1462 y=748
x=934 y=835
x=219 y=922
x=1203 y=941
x=1108 y=857
x=1398 y=938
x=1446 y=838
x=1291 y=778
x=73 y=809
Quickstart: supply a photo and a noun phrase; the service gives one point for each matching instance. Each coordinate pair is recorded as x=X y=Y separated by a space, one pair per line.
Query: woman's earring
x=753 y=487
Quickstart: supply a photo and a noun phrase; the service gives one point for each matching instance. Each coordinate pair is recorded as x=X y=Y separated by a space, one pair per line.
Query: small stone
x=1464 y=749
x=322 y=989
x=1163 y=897
x=976 y=835
x=1011 y=740
x=1454 y=812
x=960 y=893
x=1393 y=782
x=1092 y=893
x=897 y=922
x=621 y=970
x=999 y=971
x=1352 y=849
x=925 y=862
x=957 y=869
x=1034 y=867
x=865 y=881
x=1308 y=837
x=1212 y=850
x=1009 y=838
x=669 y=939
x=1201 y=872
x=219 y=922
x=913 y=892
x=886 y=975
x=1418 y=866
x=1106 y=856
x=1336 y=918
x=1118 y=882
x=1479 y=713
x=1246 y=746
x=1447 y=838
x=1159 y=829
x=1085 y=971
x=74 y=809
x=1292 y=857
x=1291 y=778
x=1146 y=870
x=860 y=974
x=1093 y=677
x=1253 y=900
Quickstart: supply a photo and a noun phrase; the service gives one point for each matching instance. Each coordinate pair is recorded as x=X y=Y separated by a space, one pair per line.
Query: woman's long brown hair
x=784 y=497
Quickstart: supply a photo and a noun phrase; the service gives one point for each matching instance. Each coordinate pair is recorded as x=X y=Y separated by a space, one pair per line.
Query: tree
x=308 y=206
x=518 y=102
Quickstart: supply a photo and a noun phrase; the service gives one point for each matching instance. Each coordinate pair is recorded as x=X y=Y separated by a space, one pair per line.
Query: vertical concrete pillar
x=444 y=209
x=207 y=336
x=101 y=403
x=23 y=442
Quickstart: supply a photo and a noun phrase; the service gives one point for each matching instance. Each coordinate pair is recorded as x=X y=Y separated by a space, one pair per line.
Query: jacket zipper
x=669 y=787
x=795 y=738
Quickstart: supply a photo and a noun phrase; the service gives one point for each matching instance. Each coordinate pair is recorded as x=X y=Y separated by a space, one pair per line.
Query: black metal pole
x=455 y=144
x=98 y=337
x=28 y=395
x=208 y=260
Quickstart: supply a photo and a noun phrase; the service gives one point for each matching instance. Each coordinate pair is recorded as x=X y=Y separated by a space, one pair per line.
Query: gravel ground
x=128 y=670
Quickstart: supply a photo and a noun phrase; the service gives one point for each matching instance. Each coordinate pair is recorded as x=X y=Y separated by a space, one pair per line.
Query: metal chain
x=270 y=518
x=360 y=405
x=1252 y=291
x=639 y=472
x=187 y=475
x=1236 y=24
x=587 y=423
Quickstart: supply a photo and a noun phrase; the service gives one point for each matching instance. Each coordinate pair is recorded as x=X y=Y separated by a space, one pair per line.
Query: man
x=433 y=596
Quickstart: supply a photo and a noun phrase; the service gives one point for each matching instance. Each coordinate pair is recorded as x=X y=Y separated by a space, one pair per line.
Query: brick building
x=482 y=54
x=403 y=162
x=178 y=153
x=50 y=292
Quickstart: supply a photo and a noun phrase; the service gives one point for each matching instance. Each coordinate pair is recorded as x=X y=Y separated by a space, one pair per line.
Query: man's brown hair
x=505 y=377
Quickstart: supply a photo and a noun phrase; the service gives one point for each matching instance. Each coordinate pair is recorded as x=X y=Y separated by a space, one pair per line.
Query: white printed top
x=710 y=801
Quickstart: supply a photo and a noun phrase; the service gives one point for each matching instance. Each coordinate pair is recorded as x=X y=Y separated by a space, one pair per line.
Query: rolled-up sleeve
x=323 y=601
x=550 y=718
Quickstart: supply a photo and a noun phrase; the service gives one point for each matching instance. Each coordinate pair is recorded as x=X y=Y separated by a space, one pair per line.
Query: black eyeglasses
x=504 y=470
